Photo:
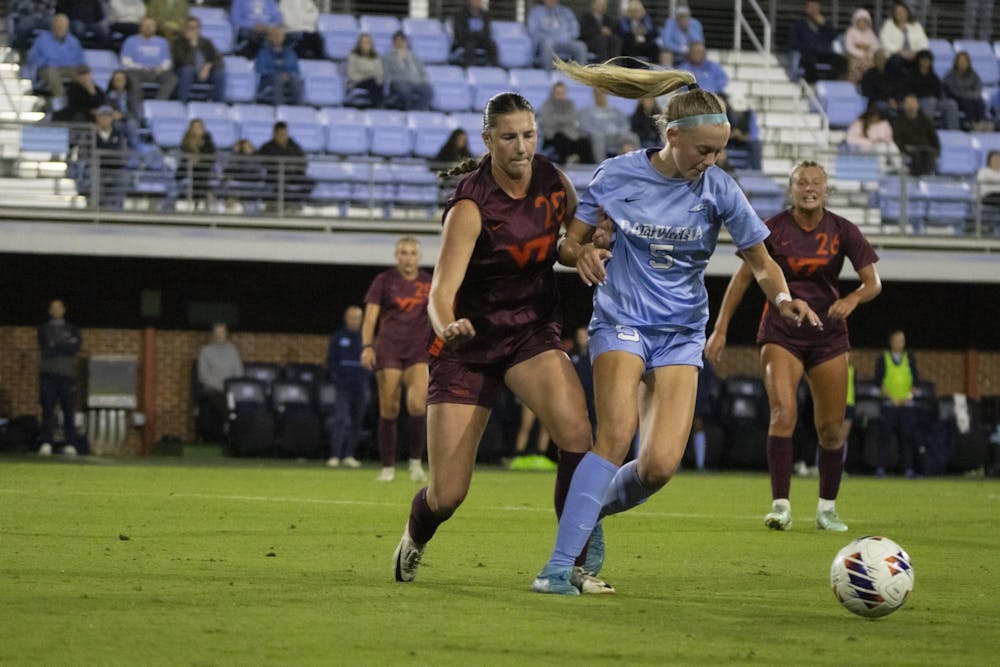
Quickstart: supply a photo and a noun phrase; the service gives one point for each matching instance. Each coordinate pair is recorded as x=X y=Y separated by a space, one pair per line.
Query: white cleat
x=45 y=449
x=589 y=584
x=387 y=475
x=333 y=462
x=406 y=559
x=350 y=462
x=417 y=473
x=69 y=451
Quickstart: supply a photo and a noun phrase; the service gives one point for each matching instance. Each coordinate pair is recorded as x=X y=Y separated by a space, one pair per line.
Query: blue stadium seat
x=857 y=167
x=986 y=142
x=223 y=130
x=340 y=34
x=949 y=203
x=205 y=110
x=472 y=123
x=390 y=134
x=890 y=206
x=347 y=132
x=428 y=40
x=323 y=85
x=959 y=154
x=430 y=129
x=514 y=45
x=381 y=29
x=533 y=84
x=256 y=122
x=944 y=55
x=161 y=109
x=451 y=92
x=374 y=185
x=486 y=82
x=305 y=125
x=984 y=61
x=416 y=185
x=334 y=181
x=102 y=65
x=221 y=36
x=241 y=79
x=766 y=197
x=208 y=15
x=841 y=102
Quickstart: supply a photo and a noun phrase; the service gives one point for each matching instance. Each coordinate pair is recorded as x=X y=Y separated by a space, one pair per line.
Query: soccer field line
x=332 y=501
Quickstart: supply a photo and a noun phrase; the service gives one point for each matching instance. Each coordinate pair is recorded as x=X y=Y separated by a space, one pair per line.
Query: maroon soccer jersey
x=811 y=262
x=509 y=287
x=402 y=320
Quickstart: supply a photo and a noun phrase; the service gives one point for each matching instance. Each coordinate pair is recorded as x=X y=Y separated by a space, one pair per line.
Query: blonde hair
x=806 y=164
x=408 y=239
x=639 y=83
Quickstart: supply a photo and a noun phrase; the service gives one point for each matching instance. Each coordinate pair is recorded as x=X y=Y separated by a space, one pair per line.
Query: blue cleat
x=595 y=551
x=555 y=579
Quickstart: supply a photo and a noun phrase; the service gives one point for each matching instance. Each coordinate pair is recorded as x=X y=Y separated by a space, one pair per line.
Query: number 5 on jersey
x=660 y=256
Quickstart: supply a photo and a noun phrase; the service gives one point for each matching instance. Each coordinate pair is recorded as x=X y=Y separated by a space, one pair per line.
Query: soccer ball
x=872 y=576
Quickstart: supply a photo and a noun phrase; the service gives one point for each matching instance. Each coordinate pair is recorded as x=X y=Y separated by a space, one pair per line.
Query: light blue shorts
x=655 y=348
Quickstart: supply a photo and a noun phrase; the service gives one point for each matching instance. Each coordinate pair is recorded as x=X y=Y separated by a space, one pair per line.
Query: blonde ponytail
x=624 y=81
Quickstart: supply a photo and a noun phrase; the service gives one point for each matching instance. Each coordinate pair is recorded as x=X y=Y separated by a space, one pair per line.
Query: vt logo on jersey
x=420 y=295
x=539 y=247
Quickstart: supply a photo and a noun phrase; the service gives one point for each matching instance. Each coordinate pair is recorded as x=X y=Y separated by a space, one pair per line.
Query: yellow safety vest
x=898 y=380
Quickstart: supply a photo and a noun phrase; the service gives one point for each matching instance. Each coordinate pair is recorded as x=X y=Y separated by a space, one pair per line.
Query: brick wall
x=177 y=350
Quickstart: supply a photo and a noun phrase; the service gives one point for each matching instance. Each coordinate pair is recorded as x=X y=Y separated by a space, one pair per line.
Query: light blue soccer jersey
x=665 y=232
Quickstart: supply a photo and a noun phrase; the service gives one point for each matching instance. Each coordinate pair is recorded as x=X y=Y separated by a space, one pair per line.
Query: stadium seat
x=221 y=36
x=224 y=131
x=263 y=371
x=374 y=186
x=208 y=15
x=428 y=40
x=241 y=79
x=766 y=197
x=416 y=185
x=514 y=45
x=986 y=142
x=890 y=200
x=743 y=408
x=298 y=425
x=949 y=203
x=323 y=85
x=944 y=55
x=430 y=130
x=305 y=125
x=959 y=154
x=390 y=134
x=250 y=430
x=347 y=132
x=256 y=122
x=381 y=29
x=840 y=101
x=340 y=34
x=303 y=372
x=472 y=123
x=102 y=65
x=485 y=82
x=168 y=121
x=451 y=92
x=984 y=61
x=857 y=167
x=533 y=84
x=205 y=110
x=334 y=181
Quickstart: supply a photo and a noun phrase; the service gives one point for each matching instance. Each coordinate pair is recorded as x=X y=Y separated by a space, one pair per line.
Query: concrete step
x=744 y=57
x=757 y=73
x=788 y=119
x=12 y=187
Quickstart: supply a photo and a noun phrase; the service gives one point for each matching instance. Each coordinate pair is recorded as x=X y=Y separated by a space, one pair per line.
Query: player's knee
x=783 y=416
x=574 y=437
x=829 y=435
x=658 y=470
x=416 y=406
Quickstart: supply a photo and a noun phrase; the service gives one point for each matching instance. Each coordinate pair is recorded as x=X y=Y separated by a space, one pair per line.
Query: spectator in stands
x=555 y=32
x=87 y=20
x=644 y=122
x=406 y=77
x=364 y=74
x=124 y=17
x=988 y=180
x=879 y=88
x=280 y=81
x=169 y=14
x=896 y=374
x=197 y=60
x=471 y=28
x=353 y=383
x=963 y=85
x=111 y=144
x=289 y=166
x=870 y=131
x=597 y=31
x=218 y=361
x=83 y=97
x=710 y=75
x=916 y=137
x=119 y=98
x=978 y=23
x=607 y=127
x=812 y=38
x=253 y=20
x=28 y=18
x=925 y=84
x=58 y=344
x=56 y=55
x=680 y=31
x=638 y=33
x=560 y=128
x=902 y=38
x=456 y=148
x=244 y=178
x=301 y=21
x=196 y=167
x=861 y=43
x=146 y=57
x=744 y=138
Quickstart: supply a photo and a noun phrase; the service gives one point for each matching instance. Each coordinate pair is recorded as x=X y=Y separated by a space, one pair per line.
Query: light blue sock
x=626 y=490
x=583 y=504
x=699 y=450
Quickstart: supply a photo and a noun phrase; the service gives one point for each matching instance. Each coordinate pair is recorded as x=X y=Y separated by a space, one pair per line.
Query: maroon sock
x=387 y=442
x=568 y=461
x=423 y=520
x=831 y=469
x=779 y=463
x=416 y=433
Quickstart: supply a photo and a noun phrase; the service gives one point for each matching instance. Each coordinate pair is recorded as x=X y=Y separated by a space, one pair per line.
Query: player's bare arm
x=871 y=286
x=462 y=227
x=372 y=311
x=772 y=282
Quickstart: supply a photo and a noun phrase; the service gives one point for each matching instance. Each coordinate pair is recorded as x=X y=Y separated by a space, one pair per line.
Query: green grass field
x=159 y=563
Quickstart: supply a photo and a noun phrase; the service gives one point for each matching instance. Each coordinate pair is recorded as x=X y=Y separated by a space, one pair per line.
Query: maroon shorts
x=393 y=355
x=454 y=378
x=811 y=353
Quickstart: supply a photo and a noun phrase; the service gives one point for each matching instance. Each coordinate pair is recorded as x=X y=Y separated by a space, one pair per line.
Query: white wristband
x=562 y=239
x=780 y=298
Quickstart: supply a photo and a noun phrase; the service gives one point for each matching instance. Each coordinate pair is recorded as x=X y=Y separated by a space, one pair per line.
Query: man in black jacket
x=58 y=343
x=471 y=26
x=812 y=37
x=197 y=60
x=916 y=137
x=288 y=167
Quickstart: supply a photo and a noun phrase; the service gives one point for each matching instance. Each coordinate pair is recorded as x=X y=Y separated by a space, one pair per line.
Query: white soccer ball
x=872 y=576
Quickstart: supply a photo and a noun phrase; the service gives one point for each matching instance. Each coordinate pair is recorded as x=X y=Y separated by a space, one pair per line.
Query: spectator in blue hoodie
x=253 y=19
x=353 y=383
x=555 y=32
x=680 y=31
x=277 y=66
x=56 y=55
x=87 y=20
x=710 y=75
x=147 y=59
